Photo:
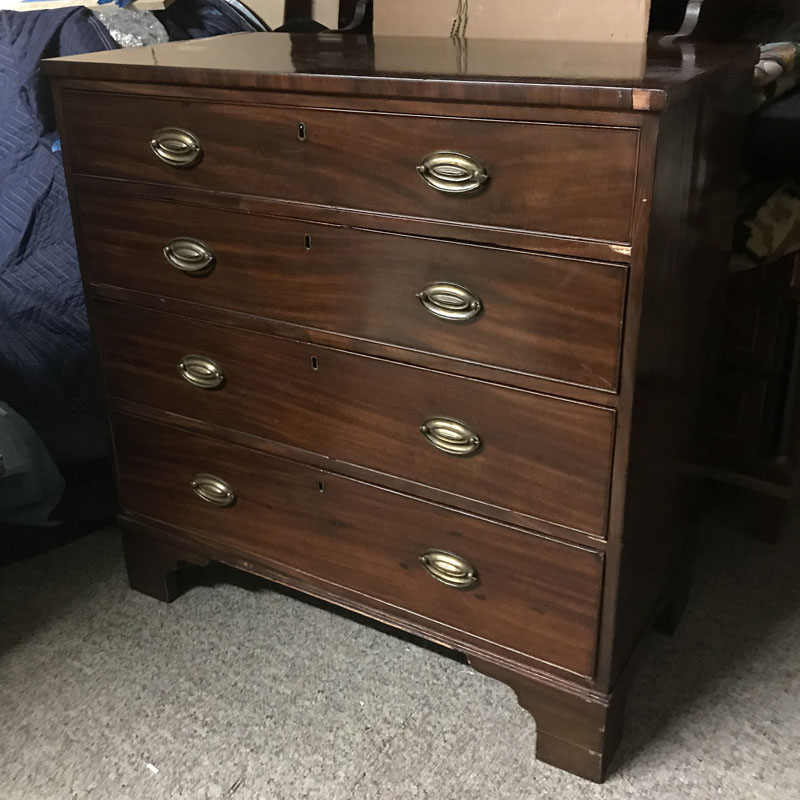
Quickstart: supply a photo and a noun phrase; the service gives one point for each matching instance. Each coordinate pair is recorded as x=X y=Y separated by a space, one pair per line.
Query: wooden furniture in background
x=753 y=439
x=428 y=346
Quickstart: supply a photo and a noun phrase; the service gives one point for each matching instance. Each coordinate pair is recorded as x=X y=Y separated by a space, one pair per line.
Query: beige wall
x=271 y=11
x=559 y=20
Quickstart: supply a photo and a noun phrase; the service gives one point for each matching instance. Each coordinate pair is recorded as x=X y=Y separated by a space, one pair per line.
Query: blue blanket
x=47 y=371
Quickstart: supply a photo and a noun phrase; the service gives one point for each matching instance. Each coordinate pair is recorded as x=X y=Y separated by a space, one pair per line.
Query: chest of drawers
x=426 y=345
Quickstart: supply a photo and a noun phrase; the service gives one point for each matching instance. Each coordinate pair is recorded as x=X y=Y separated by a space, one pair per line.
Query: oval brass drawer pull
x=201 y=372
x=213 y=490
x=177 y=147
x=451 y=436
x=452 y=173
x=189 y=255
x=451 y=302
x=449 y=569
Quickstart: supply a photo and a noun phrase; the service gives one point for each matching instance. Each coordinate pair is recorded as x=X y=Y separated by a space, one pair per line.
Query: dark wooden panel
x=751 y=331
x=359 y=473
x=574 y=731
x=737 y=421
x=541 y=456
x=612 y=75
x=675 y=309
x=534 y=595
x=552 y=317
x=417 y=358
x=757 y=313
x=544 y=177
x=542 y=243
x=388 y=102
x=580 y=182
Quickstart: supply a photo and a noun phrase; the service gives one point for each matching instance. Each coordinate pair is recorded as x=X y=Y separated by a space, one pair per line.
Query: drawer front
x=536 y=455
x=553 y=317
x=562 y=179
x=532 y=595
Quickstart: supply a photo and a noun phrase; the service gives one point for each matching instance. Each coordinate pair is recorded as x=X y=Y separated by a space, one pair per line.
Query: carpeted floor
x=236 y=690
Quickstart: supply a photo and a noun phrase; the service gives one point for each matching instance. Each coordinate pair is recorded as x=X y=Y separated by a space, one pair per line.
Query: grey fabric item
x=30 y=483
x=130 y=27
x=239 y=691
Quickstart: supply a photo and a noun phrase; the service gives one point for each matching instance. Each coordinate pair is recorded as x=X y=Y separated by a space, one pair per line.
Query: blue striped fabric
x=46 y=367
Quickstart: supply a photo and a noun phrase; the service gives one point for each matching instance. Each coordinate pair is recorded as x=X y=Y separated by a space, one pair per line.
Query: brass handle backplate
x=189 y=255
x=450 y=302
x=451 y=436
x=449 y=569
x=452 y=173
x=177 y=147
x=201 y=372
x=213 y=490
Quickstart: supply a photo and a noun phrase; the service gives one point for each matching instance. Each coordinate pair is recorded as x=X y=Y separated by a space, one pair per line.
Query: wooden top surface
x=618 y=76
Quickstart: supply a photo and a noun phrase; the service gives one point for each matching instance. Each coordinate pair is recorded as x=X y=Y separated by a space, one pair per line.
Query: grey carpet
x=239 y=691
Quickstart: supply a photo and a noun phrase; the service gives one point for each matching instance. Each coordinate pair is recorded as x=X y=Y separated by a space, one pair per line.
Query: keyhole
x=321 y=486
x=301 y=131
x=314 y=363
x=307 y=242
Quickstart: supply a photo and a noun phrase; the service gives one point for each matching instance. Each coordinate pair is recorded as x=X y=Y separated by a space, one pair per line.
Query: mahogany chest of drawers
x=425 y=342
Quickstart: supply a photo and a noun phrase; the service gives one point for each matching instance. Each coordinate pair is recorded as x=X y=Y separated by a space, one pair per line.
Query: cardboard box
x=549 y=20
x=548 y=60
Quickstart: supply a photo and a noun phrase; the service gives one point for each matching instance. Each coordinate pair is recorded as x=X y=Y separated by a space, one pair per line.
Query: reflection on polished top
x=600 y=75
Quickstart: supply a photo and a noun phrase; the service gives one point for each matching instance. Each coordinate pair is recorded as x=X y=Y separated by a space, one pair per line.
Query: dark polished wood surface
x=453 y=232
x=566 y=324
x=541 y=456
x=541 y=177
x=573 y=731
x=595 y=154
x=325 y=526
x=680 y=307
x=752 y=442
x=589 y=75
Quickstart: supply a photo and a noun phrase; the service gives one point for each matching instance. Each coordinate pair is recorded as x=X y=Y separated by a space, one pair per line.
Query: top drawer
x=573 y=180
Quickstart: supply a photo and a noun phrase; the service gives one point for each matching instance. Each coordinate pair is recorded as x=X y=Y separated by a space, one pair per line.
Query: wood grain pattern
x=466 y=369
x=357 y=472
x=189 y=549
x=322 y=444
x=463 y=107
x=533 y=595
x=540 y=243
x=541 y=456
x=550 y=317
x=562 y=74
x=575 y=731
x=672 y=361
x=543 y=177
x=153 y=564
